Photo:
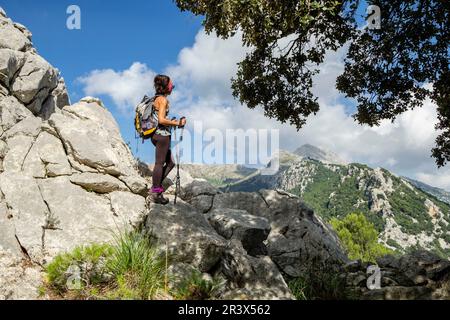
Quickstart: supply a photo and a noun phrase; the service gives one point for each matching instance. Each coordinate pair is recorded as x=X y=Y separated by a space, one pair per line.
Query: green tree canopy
x=359 y=237
x=387 y=71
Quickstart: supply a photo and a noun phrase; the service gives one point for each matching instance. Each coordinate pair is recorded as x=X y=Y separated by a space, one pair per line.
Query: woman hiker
x=164 y=162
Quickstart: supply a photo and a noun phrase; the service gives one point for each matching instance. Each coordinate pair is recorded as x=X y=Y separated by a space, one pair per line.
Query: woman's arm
x=161 y=104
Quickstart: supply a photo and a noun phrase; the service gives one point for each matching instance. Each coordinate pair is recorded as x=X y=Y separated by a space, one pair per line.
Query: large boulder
x=298 y=240
x=11 y=62
x=34 y=82
x=250 y=230
x=11 y=112
x=186 y=234
x=419 y=275
x=13 y=35
x=93 y=142
x=251 y=278
x=25 y=75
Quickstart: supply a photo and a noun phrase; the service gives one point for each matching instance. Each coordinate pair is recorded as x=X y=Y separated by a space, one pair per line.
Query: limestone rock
x=419 y=275
x=65 y=182
x=92 y=138
x=18 y=281
x=130 y=209
x=18 y=149
x=258 y=276
x=3 y=91
x=189 y=237
x=8 y=241
x=203 y=203
x=27 y=210
x=298 y=239
x=136 y=184
x=398 y=293
x=10 y=62
x=30 y=126
x=57 y=100
x=3 y=149
x=36 y=79
x=97 y=182
x=23 y=29
x=251 y=202
x=197 y=188
x=250 y=230
x=11 y=36
x=75 y=216
x=47 y=157
x=11 y=112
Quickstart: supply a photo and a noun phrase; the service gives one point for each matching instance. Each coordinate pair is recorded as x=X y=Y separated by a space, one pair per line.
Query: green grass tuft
x=131 y=268
x=196 y=287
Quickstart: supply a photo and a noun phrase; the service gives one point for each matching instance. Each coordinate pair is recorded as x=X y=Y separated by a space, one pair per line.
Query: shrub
x=359 y=237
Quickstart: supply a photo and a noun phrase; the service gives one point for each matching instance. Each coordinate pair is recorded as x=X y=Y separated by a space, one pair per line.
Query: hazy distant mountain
x=441 y=194
x=219 y=175
x=312 y=152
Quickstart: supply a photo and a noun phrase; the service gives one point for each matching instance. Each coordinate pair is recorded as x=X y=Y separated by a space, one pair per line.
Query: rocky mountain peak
x=315 y=153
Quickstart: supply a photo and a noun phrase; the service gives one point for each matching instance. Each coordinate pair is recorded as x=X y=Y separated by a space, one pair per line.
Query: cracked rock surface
x=66 y=176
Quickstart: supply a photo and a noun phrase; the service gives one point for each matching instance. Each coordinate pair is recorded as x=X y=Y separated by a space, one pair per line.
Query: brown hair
x=161 y=83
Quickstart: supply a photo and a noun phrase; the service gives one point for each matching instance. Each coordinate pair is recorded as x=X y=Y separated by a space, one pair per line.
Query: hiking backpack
x=145 y=123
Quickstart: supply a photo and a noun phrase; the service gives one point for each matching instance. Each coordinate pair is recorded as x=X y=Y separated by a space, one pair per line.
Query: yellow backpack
x=144 y=122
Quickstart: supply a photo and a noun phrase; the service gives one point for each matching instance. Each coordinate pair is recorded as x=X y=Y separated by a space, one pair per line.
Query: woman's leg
x=162 y=144
x=170 y=164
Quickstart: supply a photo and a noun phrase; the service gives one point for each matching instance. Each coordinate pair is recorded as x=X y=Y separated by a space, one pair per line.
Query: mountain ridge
x=405 y=215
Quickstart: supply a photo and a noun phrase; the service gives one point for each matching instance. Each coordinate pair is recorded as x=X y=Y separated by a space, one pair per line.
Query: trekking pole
x=178 y=178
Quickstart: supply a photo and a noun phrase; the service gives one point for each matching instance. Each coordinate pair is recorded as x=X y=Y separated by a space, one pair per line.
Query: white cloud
x=126 y=87
x=202 y=78
x=205 y=69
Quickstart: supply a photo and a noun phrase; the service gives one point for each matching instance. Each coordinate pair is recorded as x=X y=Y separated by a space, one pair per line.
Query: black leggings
x=163 y=159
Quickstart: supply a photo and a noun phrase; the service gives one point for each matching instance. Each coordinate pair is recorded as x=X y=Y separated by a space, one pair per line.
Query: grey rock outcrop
x=13 y=35
x=251 y=277
x=250 y=230
x=297 y=239
x=190 y=240
x=266 y=231
x=66 y=176
x=186 y=234
x=60 y=177
x=419 y=275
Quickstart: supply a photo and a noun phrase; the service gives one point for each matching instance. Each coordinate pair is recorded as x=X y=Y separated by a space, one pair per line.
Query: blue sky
x=123 y=44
